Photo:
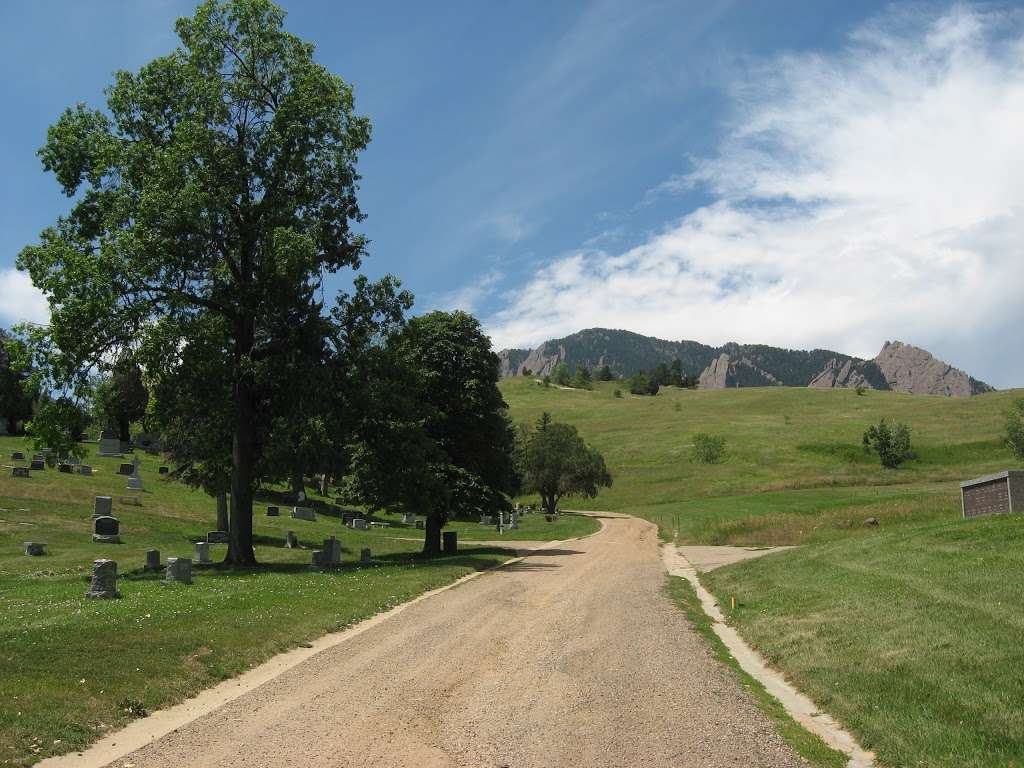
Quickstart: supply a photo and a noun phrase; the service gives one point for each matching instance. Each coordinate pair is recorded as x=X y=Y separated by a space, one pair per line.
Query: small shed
x=993 y=494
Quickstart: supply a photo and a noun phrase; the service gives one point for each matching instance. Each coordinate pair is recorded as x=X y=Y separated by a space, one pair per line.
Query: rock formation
x=716 y=375
x=840 y=374
x=911 y=369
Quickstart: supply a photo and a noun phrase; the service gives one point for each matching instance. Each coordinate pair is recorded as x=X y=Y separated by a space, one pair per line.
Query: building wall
x=1017 y=492
x=987 y=498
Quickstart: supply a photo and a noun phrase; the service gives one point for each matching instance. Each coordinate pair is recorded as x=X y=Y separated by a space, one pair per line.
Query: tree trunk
x=432 y=535
x=298 y=487
x=243 y=451
x=325 y=483
x=550 y=502
x=123 y=429
x=222 y=512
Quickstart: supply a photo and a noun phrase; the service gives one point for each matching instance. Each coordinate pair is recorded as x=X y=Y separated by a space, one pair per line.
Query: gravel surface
x=572 y=657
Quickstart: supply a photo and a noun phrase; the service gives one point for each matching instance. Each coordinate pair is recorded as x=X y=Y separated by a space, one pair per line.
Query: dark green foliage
x=560 y=375
x=527 y=372
x=547 y=381
x=210 y=198
x=583 y=378
x=617 y=393
x=16 y=391
x=892 y=444
x=641 y=384
x=120 y=398
x=463 y=415
x=554 y=462
x=1015 y=428
x=605 y=373
x=708 y=449
x=861 y=390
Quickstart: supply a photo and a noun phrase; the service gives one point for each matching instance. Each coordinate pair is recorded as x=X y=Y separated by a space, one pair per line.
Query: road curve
x=572 y=657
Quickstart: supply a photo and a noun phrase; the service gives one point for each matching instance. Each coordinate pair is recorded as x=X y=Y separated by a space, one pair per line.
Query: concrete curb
x=796 y=704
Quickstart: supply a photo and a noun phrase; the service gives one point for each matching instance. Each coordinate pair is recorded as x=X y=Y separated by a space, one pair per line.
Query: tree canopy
x=555 y=462
x=211 y=198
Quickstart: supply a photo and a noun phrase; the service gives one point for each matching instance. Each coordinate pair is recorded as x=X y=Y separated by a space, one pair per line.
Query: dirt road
x=572 y=657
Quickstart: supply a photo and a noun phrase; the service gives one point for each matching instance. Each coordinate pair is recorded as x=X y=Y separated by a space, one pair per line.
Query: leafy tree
x=583 y=378
x=16 y=392
x=605 y=373
x=1015 y=428
x=527 y=372
x=547 y=381
x=891 y=443
x=641 y=384
x=617 y=393
x=560 y=375
x=661 y=374
x=708 y=449
x=211 y=198
x=555 y=462
x=676 y=377
x=464 y=416
x=121 y=398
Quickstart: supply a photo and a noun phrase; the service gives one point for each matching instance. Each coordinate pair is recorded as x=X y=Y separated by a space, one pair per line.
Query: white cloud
x=871 y=194
x=20 y=301
x=469 y=297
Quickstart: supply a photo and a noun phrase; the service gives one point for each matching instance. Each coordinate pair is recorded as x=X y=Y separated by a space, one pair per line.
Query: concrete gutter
x=796 y=704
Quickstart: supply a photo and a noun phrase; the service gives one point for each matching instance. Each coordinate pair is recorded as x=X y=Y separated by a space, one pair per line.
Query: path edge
x=139 y=733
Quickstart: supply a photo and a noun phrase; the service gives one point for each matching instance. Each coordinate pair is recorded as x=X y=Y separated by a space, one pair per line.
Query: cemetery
x=57 y=544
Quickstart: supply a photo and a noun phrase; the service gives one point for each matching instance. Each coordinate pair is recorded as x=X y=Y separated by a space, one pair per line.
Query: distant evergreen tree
x=527 y=372
x=642 y=384
x=675 y=370
x=605 y=373
x=660 y=374
x=560 y=375
x=583 y=379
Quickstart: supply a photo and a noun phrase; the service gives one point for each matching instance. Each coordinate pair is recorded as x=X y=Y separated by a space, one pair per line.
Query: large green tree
x=463 y=414
x=121 y=398
x=555 y=462
x=15 y=396
x=211 y=197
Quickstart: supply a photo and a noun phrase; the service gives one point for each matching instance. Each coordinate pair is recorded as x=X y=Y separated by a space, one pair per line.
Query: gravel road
x=572 y=657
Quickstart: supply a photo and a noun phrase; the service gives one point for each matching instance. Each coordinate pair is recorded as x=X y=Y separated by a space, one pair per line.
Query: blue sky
x=811 y=174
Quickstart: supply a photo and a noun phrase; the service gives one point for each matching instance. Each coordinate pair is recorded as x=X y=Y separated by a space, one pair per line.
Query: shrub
x=1015 y=428
x=860 y=389
x=617 y=393
x=547 y=381
x=560 y=375
x=891 y=443
x=708 y=449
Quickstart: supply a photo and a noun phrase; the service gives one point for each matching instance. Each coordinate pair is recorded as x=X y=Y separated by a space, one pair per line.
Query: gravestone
x=329 y=556
x=409 y=518
x=110 y=444
x=17 y=456
x=19 y=472
x=202 y=552
x=38 y=457
x=303 y=513
x=85 y=469
x=104 y=580
x=106 y=529
x=134 y=483
x=291 y=541
x=34 y=548
x=102 y=505
x=125 y=469
x=514 y=521
x=486 y=520
x=450 y=542
x=217 y=537
x=359 y=524
x=65 y=468
x=164 y=470
x=419 y=525
x=347 y=516
x=364 y=556
x=273 y=512
x=152 y=559
x=179 y=570
x=74 y=461
x=38 y=464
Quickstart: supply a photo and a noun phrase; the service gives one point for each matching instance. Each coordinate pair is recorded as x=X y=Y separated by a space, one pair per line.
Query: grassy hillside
x=908 y=632
x=794 y=472
x=77 y=668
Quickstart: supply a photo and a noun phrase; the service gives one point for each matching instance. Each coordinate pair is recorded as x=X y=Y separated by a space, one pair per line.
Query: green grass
x=908 y=632
x=75 y=666
x=806 y=744
x=911 y=637
x=794 y=470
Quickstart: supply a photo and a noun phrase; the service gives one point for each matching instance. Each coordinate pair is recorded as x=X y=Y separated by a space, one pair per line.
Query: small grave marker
x=273 y=512
x=291 y=541
x=450 y=542
x=104 y=581
x=202 y=552
x=125 y=469
x=303 y=513
x=217 y=537
x=19 y=472
x=359 y=524
x=102 y=505
x=38 y=464
x=164 y=470
x=85 y=469
x=106 y=529
x=17 y=456
x=419 y=525
x=34 y=548
x=364 y=556
x=152 y=559
x=179 y=570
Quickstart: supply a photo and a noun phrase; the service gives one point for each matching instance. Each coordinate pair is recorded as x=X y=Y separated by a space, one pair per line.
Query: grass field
x=908 y=632
x=77 y=668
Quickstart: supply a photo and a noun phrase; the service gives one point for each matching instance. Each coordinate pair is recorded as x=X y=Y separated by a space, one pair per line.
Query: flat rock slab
x=705 y=558
x=572 y=657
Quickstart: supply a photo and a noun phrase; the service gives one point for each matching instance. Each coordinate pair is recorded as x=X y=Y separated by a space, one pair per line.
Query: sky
x=804 y=174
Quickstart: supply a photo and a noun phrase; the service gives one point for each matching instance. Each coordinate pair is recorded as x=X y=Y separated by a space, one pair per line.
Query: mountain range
x=898 y=366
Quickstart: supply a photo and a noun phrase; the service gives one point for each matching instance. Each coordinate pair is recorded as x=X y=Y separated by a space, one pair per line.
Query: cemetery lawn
x=908 y=632
x=74 y=669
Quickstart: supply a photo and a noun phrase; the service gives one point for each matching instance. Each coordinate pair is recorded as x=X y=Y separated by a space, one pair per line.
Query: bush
x=547 y=381
x=617 y=393
x=891 y=443
x=1015 y=428
x=560 y=375
x=708 y=449
x=860 y=389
